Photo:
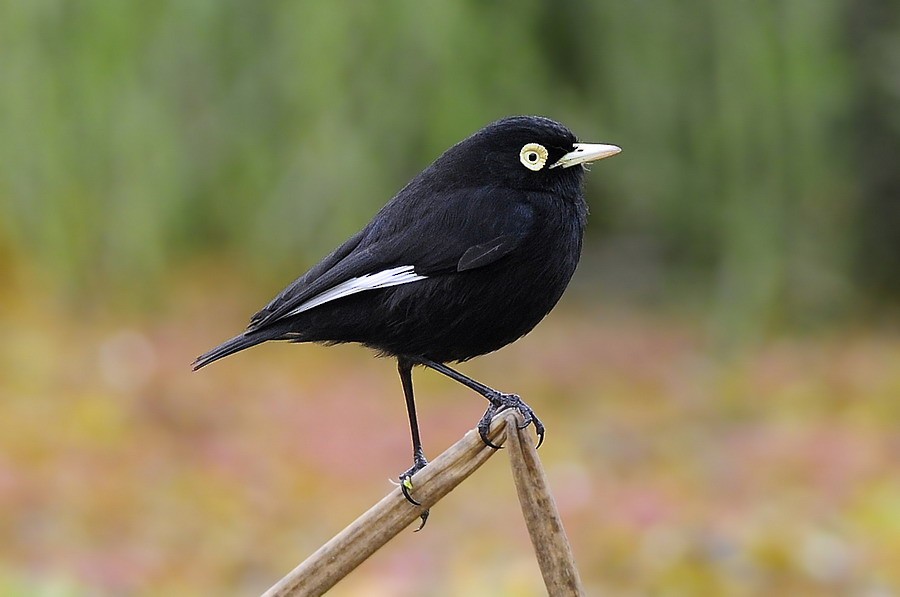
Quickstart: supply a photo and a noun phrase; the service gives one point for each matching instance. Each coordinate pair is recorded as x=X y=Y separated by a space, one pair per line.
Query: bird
x=465 y=259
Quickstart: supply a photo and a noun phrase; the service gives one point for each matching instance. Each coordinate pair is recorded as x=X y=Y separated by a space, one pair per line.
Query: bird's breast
x=460 y=315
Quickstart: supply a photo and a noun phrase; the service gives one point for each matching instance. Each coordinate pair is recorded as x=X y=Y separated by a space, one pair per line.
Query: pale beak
x=586 y=152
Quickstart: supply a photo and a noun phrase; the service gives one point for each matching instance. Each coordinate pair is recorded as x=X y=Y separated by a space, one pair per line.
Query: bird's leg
x=499 y=402
x=404 y=367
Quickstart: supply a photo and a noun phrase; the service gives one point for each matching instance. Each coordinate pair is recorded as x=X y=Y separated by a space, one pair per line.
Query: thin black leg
x=499 y=402
x=404 y=367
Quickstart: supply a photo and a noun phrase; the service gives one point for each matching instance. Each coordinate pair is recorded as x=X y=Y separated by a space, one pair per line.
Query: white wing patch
x=389 y=277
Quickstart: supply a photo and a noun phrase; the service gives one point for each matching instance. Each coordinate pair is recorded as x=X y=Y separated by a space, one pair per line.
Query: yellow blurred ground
x=678 y=471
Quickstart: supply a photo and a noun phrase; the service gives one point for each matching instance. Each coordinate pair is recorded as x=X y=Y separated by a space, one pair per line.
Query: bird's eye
x=533 y=156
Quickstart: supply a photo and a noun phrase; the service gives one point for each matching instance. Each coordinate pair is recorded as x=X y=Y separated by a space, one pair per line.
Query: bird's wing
x=316 y=280
x=469 y=230
x=409 y=240
x=489 y=252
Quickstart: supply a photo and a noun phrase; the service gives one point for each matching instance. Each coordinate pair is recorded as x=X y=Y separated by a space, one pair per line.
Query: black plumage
x=466 y=258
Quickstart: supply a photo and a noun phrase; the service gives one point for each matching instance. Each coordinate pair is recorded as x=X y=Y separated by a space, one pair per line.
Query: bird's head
x=522 y=152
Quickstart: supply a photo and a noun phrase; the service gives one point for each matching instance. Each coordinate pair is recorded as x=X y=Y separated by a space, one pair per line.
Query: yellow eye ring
x=533 y=156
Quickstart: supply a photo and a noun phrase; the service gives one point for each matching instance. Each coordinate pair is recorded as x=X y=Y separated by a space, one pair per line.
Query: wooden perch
x=368 y=533
x=551 y=546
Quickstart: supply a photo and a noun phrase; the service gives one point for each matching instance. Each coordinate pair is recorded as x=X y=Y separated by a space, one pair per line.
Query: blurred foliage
x=135 y=135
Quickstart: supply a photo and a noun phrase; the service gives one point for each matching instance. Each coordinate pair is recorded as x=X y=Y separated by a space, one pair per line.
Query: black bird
x=465 y=259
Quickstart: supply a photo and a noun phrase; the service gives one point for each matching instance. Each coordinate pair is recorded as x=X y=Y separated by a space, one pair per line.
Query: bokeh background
x=721 y=383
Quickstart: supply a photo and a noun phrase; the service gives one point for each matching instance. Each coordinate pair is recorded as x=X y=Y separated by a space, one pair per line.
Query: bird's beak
x=586 y=152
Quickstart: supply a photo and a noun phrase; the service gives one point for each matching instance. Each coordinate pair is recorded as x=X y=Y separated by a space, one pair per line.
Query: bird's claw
x=406 y=486
x=424 y=517
x=501 y=402
x=484 y=426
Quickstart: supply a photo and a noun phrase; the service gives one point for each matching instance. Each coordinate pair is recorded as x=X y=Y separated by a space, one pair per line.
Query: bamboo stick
x=364 y=536
x=551 y=546
x=368 y=533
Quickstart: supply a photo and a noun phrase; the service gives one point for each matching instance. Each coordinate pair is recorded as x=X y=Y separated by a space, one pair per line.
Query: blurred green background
x=721 y=383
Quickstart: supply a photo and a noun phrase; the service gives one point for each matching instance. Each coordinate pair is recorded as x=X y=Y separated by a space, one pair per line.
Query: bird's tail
x=230 y=347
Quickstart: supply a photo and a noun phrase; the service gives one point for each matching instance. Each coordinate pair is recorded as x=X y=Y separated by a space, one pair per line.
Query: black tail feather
x=232 y=346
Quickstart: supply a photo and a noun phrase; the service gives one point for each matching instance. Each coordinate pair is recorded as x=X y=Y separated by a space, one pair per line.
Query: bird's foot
x=501 y=402
x=419 y=462
x=406 y=485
